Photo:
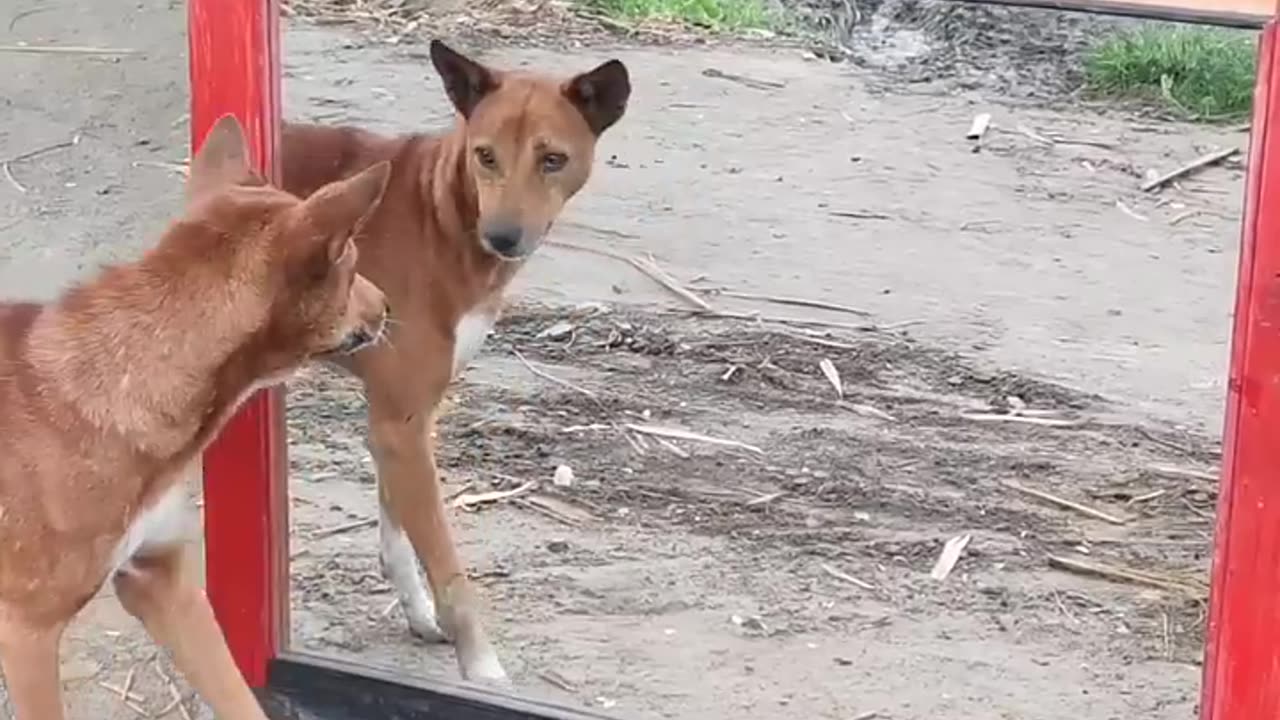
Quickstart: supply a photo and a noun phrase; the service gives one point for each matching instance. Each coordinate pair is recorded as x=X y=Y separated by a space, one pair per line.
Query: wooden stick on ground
x=66 y=50
x=784 y=300
x=1199 y=163
x=1121 y=574
x=1065 y=503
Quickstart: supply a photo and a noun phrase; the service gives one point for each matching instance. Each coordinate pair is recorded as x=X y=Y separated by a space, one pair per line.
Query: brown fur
x=461 y=213
x=109 y=394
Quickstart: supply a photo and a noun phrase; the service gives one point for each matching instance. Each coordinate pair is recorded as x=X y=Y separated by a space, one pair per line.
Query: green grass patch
x=714 y=14
x=1202 y=73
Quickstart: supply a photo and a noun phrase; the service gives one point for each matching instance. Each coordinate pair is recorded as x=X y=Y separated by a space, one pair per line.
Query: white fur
x=400 y=568
x=171 y=520
x=168 y=522
x=469 y=337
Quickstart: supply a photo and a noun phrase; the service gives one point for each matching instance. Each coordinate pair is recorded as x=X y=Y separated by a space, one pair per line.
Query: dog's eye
x=486 y=157
x=554 y=162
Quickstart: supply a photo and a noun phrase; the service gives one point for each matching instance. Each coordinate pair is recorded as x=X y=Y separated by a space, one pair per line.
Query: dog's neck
x=145 y=356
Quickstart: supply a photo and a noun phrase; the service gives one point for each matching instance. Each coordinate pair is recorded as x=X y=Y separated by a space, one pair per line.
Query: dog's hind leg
x=29 y=658
x=175 y=611
x=400 y=568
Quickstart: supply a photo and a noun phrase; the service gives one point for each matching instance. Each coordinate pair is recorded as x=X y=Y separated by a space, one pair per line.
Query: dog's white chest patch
x=170 y=521
x=469 y=337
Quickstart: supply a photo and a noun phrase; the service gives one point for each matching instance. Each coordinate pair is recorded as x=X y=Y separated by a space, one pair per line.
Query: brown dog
x=461 y=214
x=110 y=393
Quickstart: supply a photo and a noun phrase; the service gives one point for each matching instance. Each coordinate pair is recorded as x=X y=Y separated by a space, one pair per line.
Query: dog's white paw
x=485 y=668
x=425 y=627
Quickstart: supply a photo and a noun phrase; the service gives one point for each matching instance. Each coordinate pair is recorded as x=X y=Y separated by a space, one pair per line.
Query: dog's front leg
x=29 y=658
x=410 y=491
x=175 y=611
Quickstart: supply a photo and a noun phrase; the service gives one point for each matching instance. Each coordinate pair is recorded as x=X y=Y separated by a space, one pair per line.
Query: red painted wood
x=1242 y=655
x=235 y=68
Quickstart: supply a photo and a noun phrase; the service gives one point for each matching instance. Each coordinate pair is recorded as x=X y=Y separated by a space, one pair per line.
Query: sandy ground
x=689 y=580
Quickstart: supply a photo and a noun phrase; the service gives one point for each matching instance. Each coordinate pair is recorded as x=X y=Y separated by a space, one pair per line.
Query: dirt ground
x=1035 y=322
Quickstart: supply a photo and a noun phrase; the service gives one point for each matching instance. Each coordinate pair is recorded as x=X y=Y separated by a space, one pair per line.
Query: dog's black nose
x=504 y=239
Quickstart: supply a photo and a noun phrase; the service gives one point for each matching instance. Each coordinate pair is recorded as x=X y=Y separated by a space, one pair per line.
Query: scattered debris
x=951 y=553
x=1115 y=573
x=1064 y=503
x=559 y=331
x=470 y=501
x=678 y=434
x=556 y=509
x=563 y=476
x=782 y=300
x=978 y=128
x=551 y=677
x=67 y=50
x=344 y=528
x=750 y=623
x=1196 y=165
x=1174 y=471
x=752 y=83
x=866 y=411
x=648 y=266
x=833 y=376
x=859 y=215
x=551 y=378
x=765 y=499
x=1130 y=212
x=1020 y=418
x=846 y=577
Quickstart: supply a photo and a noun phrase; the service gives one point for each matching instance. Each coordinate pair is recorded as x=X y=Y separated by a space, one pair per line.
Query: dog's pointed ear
x=223 y=159
x=340 y=209
x=600 y=95
x=465 y=80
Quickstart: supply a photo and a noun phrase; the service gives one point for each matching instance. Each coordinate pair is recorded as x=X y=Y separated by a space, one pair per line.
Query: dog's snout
x=504 y=239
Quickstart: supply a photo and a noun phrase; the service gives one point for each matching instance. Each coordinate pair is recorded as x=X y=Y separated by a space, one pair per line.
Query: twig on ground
x=1065 y=503
x=344 y=528
x=866 y=410
x=1185 y=450
x=648 y=267
x=1024 y=419
x=821 y=341
x=1147 y=497
x=1130 y=211
x=1199 y=163
x=743 y=80
x=1174 y=471
x=546 y=511
x=783 y=320
x=67 y=50
x=467 y=501
x=678 y=434
x=121 y=692
x=846 y=577
x=176 y=168
x=173 y=692
x=75 y=140
x=552 y=378
x=765 y=499
x=859 y=215
x=673 y=448
x=832 y=375
x=783 y=300
x=8 y=175
x=950 y=555
x=1116 y=573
